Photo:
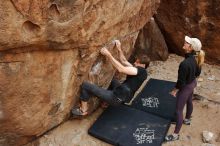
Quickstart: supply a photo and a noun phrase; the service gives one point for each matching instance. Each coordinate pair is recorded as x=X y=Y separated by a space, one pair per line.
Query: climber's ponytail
x=200 y=57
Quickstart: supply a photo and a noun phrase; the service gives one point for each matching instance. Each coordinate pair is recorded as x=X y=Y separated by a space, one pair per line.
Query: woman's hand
x=174 y=92
x=104 y=51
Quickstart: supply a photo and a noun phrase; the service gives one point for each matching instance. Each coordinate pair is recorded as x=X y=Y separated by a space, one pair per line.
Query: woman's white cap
x=195 y=43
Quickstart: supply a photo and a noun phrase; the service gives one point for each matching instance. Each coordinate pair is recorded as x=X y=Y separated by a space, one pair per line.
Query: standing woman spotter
x=189 y=70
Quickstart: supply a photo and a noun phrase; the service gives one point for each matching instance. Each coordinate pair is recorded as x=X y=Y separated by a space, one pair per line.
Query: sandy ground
x=206 y=115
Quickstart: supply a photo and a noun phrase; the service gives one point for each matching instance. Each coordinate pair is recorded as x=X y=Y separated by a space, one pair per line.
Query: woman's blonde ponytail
x=200 y=57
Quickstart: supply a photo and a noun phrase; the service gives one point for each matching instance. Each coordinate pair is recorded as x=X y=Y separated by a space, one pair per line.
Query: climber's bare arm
x=122 y=58
x=128 y=70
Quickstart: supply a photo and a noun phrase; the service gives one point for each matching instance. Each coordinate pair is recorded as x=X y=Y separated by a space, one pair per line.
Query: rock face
x=48 y=47
x=199 y=19
x=151 y=42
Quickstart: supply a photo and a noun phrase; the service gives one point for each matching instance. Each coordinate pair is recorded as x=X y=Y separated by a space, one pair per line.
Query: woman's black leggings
x=184 y=96
x=88 y=90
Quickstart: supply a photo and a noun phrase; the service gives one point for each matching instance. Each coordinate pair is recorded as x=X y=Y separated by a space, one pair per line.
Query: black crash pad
x=125 y=126
x=155 y=99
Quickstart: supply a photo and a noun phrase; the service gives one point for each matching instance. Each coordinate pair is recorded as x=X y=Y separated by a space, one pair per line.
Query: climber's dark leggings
x=88 y=90
x=184 y=96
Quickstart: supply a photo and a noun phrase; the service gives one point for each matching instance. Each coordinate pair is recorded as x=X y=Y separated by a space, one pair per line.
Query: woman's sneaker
x=187 y=121
x=172 y=137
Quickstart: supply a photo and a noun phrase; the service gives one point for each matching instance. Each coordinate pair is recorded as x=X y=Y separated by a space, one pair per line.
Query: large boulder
x=48 y=47
x=151 y=42
x=195 y=18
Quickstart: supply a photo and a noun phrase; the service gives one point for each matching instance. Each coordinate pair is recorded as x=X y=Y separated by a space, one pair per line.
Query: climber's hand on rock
x=118 y=44
x=104 y=51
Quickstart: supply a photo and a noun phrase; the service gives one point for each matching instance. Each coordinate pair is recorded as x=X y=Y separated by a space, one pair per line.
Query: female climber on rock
x=189 y=70
x=118 y=92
